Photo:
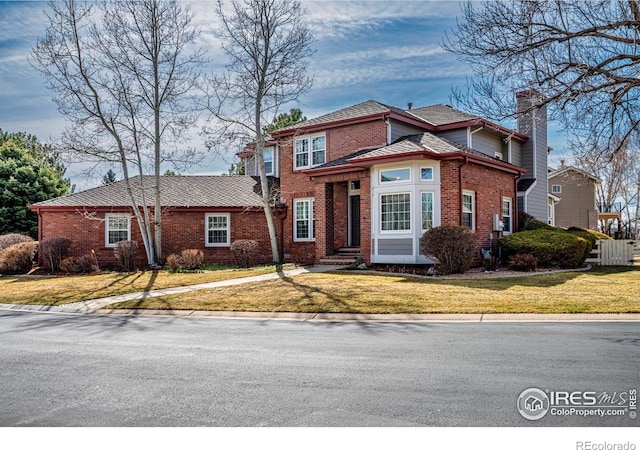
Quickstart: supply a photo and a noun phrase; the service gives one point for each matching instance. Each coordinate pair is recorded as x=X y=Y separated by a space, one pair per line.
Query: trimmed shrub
x=523 y=219
x=189 y=259
x=79 y=264
x=7 y=240
x=17 y=258
x=125 y=252
x=535 y=224
x=551 y=247
x=524 y=262
x=192 y=259
x=452 y=246
x=244 y=250
x=53 y=251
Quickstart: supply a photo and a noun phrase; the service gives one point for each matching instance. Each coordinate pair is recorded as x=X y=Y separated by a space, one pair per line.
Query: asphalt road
x=70 y=370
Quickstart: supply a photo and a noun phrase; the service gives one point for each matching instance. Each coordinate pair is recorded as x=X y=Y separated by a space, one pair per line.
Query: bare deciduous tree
x=268 y=47
x=619 y=172
x=584 y=56
x=122 y=73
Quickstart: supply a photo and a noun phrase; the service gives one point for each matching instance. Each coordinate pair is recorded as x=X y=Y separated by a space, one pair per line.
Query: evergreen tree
x=29 y=174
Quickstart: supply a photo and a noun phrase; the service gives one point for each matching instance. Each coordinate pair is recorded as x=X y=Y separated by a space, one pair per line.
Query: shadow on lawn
x=503 y=283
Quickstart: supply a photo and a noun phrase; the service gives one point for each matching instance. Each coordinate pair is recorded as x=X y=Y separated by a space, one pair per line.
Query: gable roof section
x=177 y=191
x=438 y=115
x=361 y=112
x=430 y=118
x=563 y=170
x=425 y=145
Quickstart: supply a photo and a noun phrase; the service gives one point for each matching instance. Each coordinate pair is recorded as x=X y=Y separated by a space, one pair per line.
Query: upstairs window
x=556 y=189
x=267 y=155
x=309 y=152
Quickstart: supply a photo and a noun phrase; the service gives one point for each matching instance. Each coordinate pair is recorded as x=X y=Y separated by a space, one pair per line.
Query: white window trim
x=106 y=228
x=411 y=214
x=309 y=151
x=433 y=212
x=273 y=160
x=558 y=190
x=473 y=208
x=206 y=230
x=311 y=220
x=432 y=174
x=510 y=200
x=386 y=183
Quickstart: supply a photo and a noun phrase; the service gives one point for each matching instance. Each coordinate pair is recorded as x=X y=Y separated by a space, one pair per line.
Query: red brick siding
x=489 y=185
x=340 y=142
x=181 y=230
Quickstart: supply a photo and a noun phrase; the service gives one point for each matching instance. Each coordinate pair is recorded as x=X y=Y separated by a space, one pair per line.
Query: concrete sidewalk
x=91 y=306
x=96 y=306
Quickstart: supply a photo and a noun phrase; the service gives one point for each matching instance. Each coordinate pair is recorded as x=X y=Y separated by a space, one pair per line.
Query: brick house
x=203 y=212
x=366 y=180
x=369 y=179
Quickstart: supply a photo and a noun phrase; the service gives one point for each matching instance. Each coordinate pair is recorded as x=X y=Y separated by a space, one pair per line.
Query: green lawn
x=601 y=290
x=67 y=289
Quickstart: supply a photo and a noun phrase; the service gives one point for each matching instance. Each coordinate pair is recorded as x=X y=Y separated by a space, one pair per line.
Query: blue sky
x=383 y=50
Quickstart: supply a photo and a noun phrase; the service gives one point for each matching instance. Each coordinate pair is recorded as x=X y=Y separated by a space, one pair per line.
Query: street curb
x=348 y=317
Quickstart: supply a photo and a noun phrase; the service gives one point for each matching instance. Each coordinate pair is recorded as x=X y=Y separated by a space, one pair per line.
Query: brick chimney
x=532 y=122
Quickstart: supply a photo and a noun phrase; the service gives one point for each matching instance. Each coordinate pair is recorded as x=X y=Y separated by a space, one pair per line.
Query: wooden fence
x=615 y=253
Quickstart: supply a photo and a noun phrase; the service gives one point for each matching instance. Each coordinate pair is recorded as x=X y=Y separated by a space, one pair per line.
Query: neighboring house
x=202 y=212
x=573 y=194
x=366 y=180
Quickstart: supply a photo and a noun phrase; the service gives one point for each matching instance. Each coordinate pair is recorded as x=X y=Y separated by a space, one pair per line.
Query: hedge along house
x=369 y=179
x=201 y=212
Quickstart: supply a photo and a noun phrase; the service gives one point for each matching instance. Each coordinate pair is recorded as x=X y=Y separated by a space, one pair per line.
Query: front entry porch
x=342 y=218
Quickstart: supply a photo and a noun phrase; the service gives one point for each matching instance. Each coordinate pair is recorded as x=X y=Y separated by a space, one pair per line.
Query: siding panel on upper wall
x=486 y=143
x=399 y=130
x=458 y=136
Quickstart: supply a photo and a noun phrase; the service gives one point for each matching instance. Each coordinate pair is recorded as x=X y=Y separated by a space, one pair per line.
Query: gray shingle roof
x=426 y=142
x=442 y=115
x=177 y=191
x=368 y=108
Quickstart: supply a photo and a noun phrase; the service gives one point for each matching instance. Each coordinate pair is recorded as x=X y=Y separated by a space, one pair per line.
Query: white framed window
x=304 y=220
x=394 y=175
x=426 y=205
x=217 y=232
x=395 y=212
x=426 y=173
x=469 y=209
x=267 y=155
x=556 y=189
x=117 y=228
x=309 y=151
x=507 y=214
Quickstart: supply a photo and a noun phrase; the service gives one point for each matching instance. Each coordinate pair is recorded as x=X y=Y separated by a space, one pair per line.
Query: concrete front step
x=338 y=261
